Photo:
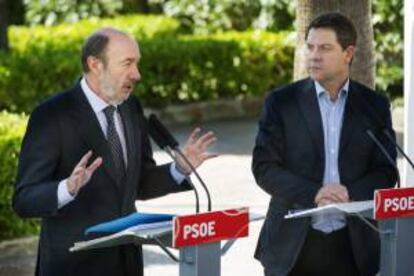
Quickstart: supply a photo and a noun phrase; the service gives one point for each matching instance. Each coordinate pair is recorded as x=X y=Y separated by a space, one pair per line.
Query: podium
x=394 y=211
x=197 y=237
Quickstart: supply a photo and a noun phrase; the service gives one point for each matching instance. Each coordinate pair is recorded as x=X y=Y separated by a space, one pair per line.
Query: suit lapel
x=133 y=142
x=131 y=136
x=349 y=118
x=90 y=130
x=310 y=109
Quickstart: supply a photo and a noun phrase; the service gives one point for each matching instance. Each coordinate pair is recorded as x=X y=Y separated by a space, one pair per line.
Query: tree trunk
x=143 y=6
x=17 y=12
x=4 y=22
x=359 y=11
x=133 y=6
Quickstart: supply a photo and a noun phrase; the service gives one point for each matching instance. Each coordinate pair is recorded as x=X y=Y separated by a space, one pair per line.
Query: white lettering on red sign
x=399 y=204
x=196 y=230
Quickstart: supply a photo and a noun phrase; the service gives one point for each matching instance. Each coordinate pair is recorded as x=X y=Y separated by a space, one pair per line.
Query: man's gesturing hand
x=195 y=150
x=82 y=173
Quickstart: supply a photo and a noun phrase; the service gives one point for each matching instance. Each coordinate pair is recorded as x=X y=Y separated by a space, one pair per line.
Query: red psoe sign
x=394 y=203
x=210 y=227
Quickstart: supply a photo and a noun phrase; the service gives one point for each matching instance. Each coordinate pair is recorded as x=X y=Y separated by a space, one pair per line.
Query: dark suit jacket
x=60 y=131
x=288 y=163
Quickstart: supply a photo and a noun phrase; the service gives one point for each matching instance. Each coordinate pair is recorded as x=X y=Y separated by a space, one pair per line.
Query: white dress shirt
x=98 y=105
x=332 y=114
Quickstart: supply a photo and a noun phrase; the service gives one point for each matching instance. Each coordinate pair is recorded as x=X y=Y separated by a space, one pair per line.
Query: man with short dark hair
x=86 y=158
x=311 y=150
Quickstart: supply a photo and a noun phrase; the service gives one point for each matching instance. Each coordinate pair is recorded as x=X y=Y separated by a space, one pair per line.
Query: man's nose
x=314 y=54
x=135 y=74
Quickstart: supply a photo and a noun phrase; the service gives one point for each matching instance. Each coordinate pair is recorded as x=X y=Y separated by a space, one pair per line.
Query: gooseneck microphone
x=166 y=141
x=160 y=134
x=371 y=121
x=400 y=150
x=386 y=154
x=373 y=115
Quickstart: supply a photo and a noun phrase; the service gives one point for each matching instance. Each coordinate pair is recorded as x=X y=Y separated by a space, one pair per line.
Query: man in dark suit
x=312 y=149
x=86 y=158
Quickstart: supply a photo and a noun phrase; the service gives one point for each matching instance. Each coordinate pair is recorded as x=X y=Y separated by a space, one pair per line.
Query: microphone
x=377 y=142
x=386 y=154
x=385 y=129
x=400 y=150
x=166 y=141
x=160 y=133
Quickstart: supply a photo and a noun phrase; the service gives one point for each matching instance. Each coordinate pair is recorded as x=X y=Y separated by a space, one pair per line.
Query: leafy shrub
x=203 y=17
x=216 y=66
x=12 y=128
x=388 y=34
x=41 y=64
x=278 y=15
x=51 y=12
x=175 y=68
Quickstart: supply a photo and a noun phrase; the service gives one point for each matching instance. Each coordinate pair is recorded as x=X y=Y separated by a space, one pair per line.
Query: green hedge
x=228 y=65
x=12 y=128
x=176 y=68
x=44 y=60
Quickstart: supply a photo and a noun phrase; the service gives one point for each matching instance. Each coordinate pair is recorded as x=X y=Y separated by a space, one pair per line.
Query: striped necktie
x=114 y=142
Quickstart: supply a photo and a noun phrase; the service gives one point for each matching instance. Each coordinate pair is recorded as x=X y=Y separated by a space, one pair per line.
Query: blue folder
x=123 y=223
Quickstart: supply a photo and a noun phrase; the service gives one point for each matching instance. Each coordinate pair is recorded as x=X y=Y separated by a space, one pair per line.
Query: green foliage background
x=215 y=16
x=12 y=127
x=276 y=15
x=175 y=68
x=389 y=46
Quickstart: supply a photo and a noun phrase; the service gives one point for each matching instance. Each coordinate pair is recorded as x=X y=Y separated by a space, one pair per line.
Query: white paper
x=348 y=208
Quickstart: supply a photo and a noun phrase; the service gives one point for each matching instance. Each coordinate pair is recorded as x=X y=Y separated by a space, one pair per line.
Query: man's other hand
x=82 y=173
x=332 y=193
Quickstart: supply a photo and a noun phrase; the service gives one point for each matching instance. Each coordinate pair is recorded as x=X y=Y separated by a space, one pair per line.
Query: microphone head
x=160 y=134
x=155 y=135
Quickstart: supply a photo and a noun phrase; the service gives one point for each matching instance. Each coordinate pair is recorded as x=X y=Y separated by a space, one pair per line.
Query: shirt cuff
x=178 y=177
x=64 y=197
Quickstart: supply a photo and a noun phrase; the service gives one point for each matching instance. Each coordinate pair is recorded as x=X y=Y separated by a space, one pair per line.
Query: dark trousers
x=326 y=255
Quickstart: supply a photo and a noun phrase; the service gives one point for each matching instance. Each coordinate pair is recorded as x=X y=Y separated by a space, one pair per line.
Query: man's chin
x=316 y=77
x=119 y=101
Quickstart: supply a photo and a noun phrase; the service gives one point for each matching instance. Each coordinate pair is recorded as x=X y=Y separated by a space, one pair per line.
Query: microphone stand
x=181 y=154
x=386 y=154
x=167 y=142
x=400 y=150
x=169 y=151
x=385 y=129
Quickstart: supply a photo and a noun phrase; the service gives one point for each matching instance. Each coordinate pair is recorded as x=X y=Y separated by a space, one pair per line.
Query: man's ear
x=95 y=64
x=349 y=53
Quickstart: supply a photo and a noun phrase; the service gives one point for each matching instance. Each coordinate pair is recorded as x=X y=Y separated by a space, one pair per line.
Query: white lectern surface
x=141 y=232
x=348 y=208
